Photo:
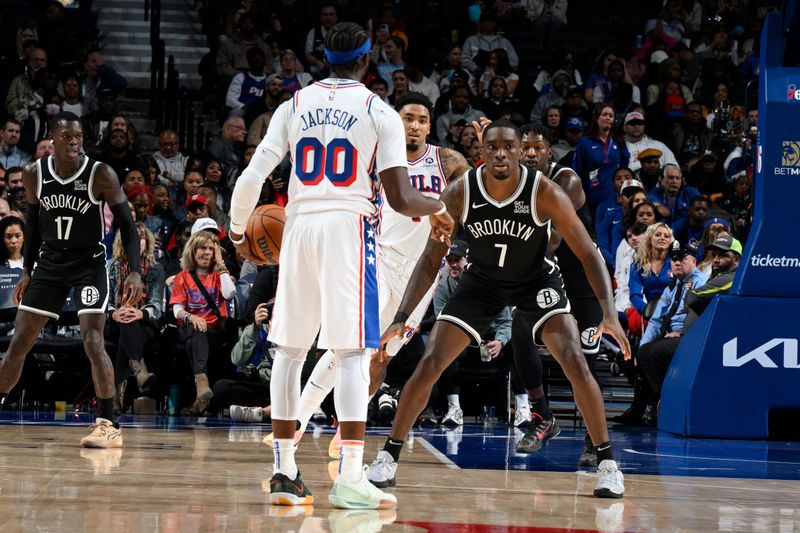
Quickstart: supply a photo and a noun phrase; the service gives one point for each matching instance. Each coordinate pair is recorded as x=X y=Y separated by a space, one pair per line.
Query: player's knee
x=574 y=364
x=295 y=354
x=93 y=342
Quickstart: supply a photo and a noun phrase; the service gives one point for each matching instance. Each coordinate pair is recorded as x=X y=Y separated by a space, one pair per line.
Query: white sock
x=521 y=400
x=453 y=399
x=284 y=458
x=319 y=384
x=351 y=460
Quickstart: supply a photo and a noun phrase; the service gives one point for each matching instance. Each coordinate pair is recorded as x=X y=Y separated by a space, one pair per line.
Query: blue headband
x=342 y=58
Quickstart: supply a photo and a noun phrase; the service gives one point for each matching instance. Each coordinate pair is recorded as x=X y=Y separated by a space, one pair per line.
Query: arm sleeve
x=227 y=285
x=636 y=286
x=268 y=155
x=33 y=240
x=130 y=237
x=234 y=92
x=391 y=137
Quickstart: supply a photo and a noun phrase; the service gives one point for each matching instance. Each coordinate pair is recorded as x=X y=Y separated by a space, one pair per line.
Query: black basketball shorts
x=478 y=299
x=58 y=271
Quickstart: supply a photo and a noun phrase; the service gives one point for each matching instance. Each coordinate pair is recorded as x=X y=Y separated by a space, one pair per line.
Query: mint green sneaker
x=361 y=495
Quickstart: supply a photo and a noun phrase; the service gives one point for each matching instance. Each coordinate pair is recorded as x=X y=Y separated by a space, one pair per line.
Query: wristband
x=240 y=241
x=400 y=318
x=441 y=211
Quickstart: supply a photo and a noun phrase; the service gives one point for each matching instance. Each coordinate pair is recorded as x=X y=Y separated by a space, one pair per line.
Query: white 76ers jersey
x=408 y=236
x=339 y=136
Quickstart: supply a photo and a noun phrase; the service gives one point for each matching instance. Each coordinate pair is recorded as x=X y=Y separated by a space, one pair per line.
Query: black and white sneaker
x=610 y=481
x=539 y=431
x=285 y=491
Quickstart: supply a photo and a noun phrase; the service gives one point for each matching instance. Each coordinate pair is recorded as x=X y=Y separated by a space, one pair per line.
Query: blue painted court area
x=477 y=446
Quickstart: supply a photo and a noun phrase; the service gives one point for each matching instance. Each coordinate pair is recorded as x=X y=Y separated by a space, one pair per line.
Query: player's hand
x=261 y=314
x=19 y=290
x=479 y=126
x=132 y=291
x=610 y=325
x=393 y=331
x=199 y=323
x=494 y=348
x=442 y=227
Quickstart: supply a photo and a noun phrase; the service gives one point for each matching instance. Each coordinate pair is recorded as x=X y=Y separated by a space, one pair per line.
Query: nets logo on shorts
x=89 y=295
x=547 y=298
x=586 y=336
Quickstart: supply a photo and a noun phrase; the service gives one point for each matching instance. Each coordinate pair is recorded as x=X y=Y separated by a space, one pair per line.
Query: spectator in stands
x=624 y=258
x=380 y=87
x=247 y=87
x=575 y=106
x=251 y=356
x=232 y=55
x=120 y=122
x=650 y=273
x=136 y=326
x=561 y=83
x=669 y=70
x=672 y=21
x=450 y=64
x=714 y=227
x=599 y=72
x=726 y=253
x=665 y=328
x=690 y=137
x=391 y=59
x=43 y=148
x=294 y=78
x=132 y=178
x=45 y=104
x=460 y=78
x=13 y=231
x=546 y=18
x=258 y=114
x=553 y=120
x=616 y=90
x=73 y=100
x=201 y=317
x=196 y=207
x=673 y=193
x=192 y=180
x=498 y=103
x=20 y=93
x=649 y=171
x=499 y=66
x=476 y=49
x=598 y=155
x=118 y=155
x=637 y=142
x=739 y=204
x=460 y=108
x=175 y=249
x=315 y=40
x=645 y=213
x=171 y=162
x=14 y=178
x=420 y=83
x=609 y=215
x=162 y=208
x=10 y=154
x=142 y=198
x=689 y=231
x=214 y=211
x=573 y=131
x=99 y=77
x=707 y=175
x=96 y=122
x=225 y=147
x=399 y=85
x=213 y=172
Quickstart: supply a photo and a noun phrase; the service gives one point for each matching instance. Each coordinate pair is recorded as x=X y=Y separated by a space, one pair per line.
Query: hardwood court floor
x=176 y=475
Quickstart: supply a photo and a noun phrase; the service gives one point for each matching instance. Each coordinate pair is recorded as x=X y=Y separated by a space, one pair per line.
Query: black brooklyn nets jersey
x=70 y=217
x=507 y=240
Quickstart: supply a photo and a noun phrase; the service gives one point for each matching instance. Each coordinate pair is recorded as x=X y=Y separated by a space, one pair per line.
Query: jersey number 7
x=338 y=162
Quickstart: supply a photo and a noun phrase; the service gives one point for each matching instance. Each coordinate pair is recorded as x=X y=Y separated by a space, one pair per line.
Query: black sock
x=105 y=408
x=394 y=447
x=542 y=406
x=604 y=451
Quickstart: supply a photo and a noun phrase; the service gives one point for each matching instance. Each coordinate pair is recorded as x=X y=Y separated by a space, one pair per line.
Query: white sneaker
x=241 y=413
x=522 y=416
x=610 y=482
x=382 y=471
x=360 y=495
x=454 y=416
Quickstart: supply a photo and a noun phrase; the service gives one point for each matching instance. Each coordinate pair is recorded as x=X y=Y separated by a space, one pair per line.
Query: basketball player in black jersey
x=66 y=193
x=536 y=155
x=507 y=212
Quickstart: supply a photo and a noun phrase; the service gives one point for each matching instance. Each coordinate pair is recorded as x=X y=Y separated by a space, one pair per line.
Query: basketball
x=264 y=233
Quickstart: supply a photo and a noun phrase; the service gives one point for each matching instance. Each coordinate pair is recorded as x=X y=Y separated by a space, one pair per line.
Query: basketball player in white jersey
x=401 y=241
x=340 y=137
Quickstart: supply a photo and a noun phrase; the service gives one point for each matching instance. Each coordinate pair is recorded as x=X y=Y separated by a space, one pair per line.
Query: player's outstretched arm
x=33 y=239
x=554 y=204
x=408 y=201
x=107 y=188
x=428 y=265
